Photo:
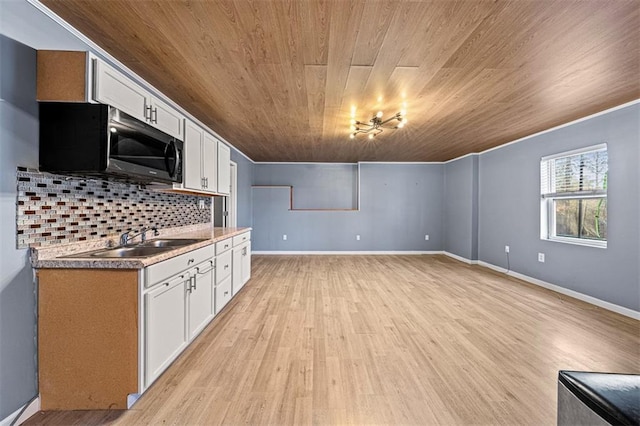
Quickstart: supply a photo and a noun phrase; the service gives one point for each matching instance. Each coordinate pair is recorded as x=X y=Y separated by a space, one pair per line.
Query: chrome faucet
x=126 y=237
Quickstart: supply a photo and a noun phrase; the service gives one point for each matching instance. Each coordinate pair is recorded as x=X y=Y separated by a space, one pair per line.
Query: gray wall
x=399 y=204
x=317 y=186
x=460 y=204
x=21 y=25
x=245 y=180
x=18 y=146
x=509 y=210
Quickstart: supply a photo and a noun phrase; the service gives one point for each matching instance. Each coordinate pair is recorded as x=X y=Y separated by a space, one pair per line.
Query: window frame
x=547 y=200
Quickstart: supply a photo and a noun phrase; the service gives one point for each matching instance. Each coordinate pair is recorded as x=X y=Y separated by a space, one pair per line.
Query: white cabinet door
x=167 y=119
x=201 y=308
x=241 y=266
x=192 y=157
x=246 y=262
x=210 y=163
x=112 y=88
x=165 y=326
x=236 y=271
x=224 y=169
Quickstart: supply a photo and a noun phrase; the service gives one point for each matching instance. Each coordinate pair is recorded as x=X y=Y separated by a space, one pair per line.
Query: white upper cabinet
x=113 y=88
x=200 y=161
x=166 y=118
x=210 y=162
x=224 y=169
x=193 y=140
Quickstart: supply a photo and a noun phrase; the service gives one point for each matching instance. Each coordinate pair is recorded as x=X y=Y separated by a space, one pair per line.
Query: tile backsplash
x=54 y=209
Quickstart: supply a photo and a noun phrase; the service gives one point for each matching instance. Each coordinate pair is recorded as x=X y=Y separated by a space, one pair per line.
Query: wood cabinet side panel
x=61 y=76
x=87 y=338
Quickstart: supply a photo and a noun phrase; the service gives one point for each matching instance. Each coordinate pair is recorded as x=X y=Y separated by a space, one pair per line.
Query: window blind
x=576 y=174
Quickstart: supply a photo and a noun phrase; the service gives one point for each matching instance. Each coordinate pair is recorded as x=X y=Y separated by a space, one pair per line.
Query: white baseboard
x=571 y=293
x=22 y=414
x=460 y=258
x=356 y=253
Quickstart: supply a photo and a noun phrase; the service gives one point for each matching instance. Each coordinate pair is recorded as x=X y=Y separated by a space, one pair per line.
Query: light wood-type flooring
x=381 y=340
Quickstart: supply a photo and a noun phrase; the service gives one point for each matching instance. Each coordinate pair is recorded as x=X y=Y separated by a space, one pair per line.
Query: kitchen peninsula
x=109 y=326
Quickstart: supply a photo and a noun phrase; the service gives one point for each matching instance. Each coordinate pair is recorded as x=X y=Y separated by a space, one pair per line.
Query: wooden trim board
x=62 y=76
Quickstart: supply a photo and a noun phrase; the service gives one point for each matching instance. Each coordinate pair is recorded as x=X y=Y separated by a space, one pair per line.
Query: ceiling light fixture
x=376 y=124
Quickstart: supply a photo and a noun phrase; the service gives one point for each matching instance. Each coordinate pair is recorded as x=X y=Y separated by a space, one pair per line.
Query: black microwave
x=99 y=140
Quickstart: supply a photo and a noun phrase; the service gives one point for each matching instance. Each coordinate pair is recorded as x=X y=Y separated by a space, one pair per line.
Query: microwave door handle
x=177 y=164
x=171 y=170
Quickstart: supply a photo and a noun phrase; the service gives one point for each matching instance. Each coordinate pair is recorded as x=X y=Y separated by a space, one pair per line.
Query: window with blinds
x=574 y=196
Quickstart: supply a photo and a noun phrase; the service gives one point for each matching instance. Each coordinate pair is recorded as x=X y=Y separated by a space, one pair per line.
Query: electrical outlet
x=357 y=237
x=201 y=204
x=541 y=257
x=426 y=237
x=284 y=237
x=506 y=249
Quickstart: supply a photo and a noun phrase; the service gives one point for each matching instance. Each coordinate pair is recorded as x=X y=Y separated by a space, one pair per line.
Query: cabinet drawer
x=163 y=270
x=242 y=238
x=223 y=266
x=223 y=294
x=224 y=245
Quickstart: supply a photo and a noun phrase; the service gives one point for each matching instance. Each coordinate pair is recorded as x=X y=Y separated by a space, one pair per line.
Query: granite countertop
x=51 y=257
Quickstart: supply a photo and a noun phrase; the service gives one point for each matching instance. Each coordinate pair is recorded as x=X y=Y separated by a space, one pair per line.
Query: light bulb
x=352 y=136
x=371 y=135
x=379 y=114
x=404 y=119
x=352 y=128
x=403 y=112
x=353 y=121
x=400 y=125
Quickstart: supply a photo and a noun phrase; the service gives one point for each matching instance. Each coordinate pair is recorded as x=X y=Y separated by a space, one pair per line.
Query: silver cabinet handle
x=154 y=115
x=147 y=111
x=226 y=292
x=190 y=261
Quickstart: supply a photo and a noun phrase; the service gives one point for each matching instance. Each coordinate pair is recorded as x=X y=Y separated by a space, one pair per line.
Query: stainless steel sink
x=171 y=242
x=137 y=251
x=120 y=252
x=146 y=249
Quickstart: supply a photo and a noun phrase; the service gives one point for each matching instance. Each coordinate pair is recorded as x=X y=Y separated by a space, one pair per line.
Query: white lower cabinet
x=178 y=305
x=241 y=261
x=241 y=266
x=223 y=294
x=183 y=294
x=200 y=297
x=165 y=330
x=224 y=267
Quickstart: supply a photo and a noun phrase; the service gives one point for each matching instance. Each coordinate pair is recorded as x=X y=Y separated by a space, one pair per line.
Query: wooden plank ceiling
x=278 y=79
